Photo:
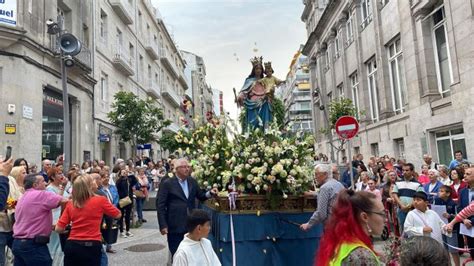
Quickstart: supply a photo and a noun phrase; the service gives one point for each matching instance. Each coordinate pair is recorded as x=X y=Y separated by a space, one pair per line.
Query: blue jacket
x=346 y=177
x=464 y=201
x=436 y=188
x=4 y=191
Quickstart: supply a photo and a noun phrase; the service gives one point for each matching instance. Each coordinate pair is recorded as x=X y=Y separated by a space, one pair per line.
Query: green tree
x=138 y=121
x=337 y=108
x=340 y=107
x=168 y=142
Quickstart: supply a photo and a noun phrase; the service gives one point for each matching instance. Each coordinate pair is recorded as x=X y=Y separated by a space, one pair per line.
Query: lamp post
x=68 y=46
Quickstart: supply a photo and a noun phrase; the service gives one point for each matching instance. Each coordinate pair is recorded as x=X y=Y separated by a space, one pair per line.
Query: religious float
x=261 y=174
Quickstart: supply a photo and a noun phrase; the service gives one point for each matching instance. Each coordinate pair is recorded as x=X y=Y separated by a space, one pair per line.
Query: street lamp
x=68 y=46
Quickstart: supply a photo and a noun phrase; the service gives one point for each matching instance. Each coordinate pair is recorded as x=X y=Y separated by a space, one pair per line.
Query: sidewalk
x=146 y=247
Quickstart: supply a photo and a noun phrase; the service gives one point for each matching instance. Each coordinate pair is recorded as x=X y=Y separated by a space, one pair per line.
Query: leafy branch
x=138 y=121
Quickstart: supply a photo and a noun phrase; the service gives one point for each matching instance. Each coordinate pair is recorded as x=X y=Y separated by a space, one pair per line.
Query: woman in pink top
x=423 y=178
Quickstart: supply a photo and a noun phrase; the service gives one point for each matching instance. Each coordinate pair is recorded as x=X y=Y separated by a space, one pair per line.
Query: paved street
x=146 y=247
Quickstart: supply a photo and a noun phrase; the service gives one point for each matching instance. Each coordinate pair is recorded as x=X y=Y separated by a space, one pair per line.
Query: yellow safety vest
x=345 y=250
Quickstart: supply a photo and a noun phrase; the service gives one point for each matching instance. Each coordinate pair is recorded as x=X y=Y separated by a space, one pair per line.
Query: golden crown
x=256 y=61
x=268 y=65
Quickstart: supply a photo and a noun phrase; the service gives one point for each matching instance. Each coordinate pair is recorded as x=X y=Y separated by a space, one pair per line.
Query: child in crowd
x=422 y=221
x=195 y=249
x=444 y=199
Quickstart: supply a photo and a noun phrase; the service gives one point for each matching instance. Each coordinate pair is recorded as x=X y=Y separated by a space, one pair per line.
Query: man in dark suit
x=176 y=198
x=466 y=195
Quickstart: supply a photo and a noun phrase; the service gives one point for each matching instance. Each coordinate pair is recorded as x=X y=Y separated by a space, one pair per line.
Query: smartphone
x=8 y=154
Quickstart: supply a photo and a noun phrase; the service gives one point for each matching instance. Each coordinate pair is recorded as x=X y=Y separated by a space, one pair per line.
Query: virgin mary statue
x=253 y=97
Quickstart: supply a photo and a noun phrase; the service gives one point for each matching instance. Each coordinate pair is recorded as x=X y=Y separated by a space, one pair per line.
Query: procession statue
x=257 y=94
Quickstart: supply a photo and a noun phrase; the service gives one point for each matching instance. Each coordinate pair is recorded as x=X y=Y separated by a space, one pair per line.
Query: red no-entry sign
x=347 y=127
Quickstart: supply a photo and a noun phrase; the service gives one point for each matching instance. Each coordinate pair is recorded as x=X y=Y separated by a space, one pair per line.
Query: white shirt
x=195 y=253
x=416 y=220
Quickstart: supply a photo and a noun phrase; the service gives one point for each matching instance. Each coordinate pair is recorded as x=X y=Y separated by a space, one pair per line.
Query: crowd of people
x=388 y=194
x=73 y=216
x=56 y=216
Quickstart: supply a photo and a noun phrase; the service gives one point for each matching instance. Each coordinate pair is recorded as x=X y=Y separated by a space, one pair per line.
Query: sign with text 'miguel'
x=8 y=12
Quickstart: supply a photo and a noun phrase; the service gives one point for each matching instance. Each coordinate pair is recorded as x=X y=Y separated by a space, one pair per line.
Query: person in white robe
x=423 y=222
x=196 y=249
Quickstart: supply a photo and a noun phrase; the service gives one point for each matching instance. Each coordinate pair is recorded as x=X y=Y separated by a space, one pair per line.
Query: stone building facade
x=407 y=66
x=30 y=80
x=125 y=46
x=134 y=52
x=200 y=92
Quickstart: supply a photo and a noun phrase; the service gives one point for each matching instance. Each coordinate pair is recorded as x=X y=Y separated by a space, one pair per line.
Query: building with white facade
x=134 y=52
x=125 y=46
x=30 y=80
x=407 y=66
x=296 y=95
x=200 y=91
x=218 y=102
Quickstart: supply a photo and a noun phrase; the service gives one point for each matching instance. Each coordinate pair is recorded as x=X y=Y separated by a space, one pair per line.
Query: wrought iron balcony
x=84 y=59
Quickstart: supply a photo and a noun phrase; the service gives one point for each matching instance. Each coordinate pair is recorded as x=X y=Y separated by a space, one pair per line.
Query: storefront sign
x=8 y=12
x=10 y=129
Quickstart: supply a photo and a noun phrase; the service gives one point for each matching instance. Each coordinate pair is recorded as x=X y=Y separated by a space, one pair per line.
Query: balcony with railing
x=182 y=80
x=168 y=62
x=171 y=95
x=174 y=128
x=152 y=88
x=124 y=10
x=84 y=59
x=122 y=61
x=151 y=47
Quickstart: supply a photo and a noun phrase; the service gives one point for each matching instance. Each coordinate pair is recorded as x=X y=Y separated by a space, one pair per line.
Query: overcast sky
x=226 y=33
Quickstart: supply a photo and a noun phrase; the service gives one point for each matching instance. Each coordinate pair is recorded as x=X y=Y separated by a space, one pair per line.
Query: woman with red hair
x=346 y=240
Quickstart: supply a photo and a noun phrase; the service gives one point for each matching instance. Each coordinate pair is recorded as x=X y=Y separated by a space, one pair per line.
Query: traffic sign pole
x=347 y=127
x=349 y=147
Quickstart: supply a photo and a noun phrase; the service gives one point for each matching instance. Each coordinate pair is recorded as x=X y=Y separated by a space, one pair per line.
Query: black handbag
x=64 y=236
x=110 y=234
